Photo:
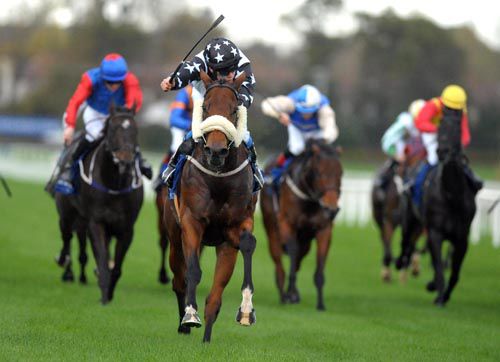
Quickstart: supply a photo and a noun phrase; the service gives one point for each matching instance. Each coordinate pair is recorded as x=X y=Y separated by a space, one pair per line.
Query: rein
x=89 y=180
x=205 y=170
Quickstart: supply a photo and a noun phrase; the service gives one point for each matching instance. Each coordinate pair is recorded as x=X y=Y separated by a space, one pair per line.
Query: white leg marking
x=246 y=303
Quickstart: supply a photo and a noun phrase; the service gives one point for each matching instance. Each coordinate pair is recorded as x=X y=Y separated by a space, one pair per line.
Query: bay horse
x=307 y=206
x=388 y=205
x=214 y=206
x=109 y=198
x=448 y=208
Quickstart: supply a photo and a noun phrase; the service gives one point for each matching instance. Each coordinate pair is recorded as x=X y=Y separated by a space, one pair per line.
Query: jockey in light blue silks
x=307 y=114
x=396 y=138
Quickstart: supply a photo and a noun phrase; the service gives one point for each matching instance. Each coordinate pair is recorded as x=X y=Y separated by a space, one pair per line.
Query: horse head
x=324 y=174
x=120 y=136
x=450 y=134
x=221 y=126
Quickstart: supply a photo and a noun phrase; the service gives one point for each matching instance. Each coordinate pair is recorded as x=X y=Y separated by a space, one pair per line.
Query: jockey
x=181 y=111
x=427 y=122
x=111 y=83
x=307 y=114
x=221 y=60
x=395 y=140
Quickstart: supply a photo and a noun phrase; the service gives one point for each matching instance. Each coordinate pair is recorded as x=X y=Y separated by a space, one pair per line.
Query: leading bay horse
x=307 y=206
x=214 y=207
x=447 y=210
x=109 y=198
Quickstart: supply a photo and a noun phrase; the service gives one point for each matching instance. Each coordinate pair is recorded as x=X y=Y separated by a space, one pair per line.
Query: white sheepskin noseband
x=220 y=123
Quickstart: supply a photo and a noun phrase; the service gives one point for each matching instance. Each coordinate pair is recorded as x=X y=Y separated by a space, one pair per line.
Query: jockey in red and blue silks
x=181 y=113
x=307 y=114
x=99 y=88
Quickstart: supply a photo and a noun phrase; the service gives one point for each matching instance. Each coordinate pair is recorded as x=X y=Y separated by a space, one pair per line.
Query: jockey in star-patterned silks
x=307 y=114
x=181 y=112
x=221 y=60
x=99 y=88
x=452 y=99
x=396 y=139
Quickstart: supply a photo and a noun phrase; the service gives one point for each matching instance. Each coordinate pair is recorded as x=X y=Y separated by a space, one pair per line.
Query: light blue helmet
x=308 y=99
x=114 y=68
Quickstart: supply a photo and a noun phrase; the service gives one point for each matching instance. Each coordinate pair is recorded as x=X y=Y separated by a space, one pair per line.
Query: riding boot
x=186 y=148
x=259 y=178
x=64 y=182
x=158 y=182
x=475 y=182
x=144 y=166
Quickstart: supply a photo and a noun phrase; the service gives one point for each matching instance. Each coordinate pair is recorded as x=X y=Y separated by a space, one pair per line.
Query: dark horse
x=447 y=210
x=214 y=207
x=109 y=198
x=307 y=206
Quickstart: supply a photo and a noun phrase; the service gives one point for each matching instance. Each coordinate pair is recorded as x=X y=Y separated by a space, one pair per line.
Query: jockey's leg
x=475 y=182
x=64 y=182
x=177 y=138
x=259 y=178
x=144 y=165
x=185 y=148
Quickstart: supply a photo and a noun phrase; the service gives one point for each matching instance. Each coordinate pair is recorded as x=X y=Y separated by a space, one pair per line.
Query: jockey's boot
x=158 y=182
x=64 y=182
x=145 y=166
x=475 y=182
x=186 y=148
x=259 y=178
x=387 y=174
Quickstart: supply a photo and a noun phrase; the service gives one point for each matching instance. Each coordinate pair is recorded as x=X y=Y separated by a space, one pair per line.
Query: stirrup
x=64 y=187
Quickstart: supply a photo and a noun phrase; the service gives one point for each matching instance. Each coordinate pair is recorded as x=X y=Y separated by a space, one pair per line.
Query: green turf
x=43 y=319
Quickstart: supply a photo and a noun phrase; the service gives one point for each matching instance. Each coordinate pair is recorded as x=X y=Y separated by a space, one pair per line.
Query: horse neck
x=107 y=171
x=452 y=181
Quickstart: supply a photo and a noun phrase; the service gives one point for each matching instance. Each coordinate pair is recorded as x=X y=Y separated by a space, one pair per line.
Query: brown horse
x=214 y=207
x=307 y=206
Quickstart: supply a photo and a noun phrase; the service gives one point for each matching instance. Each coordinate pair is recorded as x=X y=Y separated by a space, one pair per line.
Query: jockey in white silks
x=307 y=114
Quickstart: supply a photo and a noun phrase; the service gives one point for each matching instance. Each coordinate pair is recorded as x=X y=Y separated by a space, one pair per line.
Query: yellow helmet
x=454 y=97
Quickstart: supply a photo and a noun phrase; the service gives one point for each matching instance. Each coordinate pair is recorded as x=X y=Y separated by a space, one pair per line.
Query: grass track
x=43 y=319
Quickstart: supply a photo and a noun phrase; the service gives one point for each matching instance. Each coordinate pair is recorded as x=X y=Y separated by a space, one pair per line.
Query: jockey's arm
x=82 y=92
x=326 y=120
x=133 y=92
x=247 y=87
x=274 y=106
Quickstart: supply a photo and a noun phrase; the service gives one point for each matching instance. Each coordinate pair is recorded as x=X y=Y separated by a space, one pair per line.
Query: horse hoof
x=403 y=276
x=163 y=277
x=184 y=330
x=439 y=302
x=105 y=301
x=321 y=308
x=386 y=275
x=62 y=260
x=68 y=277
x=415 y=273
x=83 y=279
x=293 y=298
x=431 y=286
x=191 y=318
x=245 y=318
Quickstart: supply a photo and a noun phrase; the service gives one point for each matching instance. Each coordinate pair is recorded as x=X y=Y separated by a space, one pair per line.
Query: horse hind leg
x=163 y=277
x=83 y=257
x=64 y=258
x=435 y=240
x=387 y=231
x=246 y=312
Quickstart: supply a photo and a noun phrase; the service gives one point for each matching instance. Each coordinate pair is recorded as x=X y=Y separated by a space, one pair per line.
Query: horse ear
x=339 y=150
x=205 y=78
x=315 y=148
x=112 y=107
x=238 y=81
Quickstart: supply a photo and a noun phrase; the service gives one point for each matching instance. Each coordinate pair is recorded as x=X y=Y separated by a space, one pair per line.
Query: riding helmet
x=114 y=68
x=454 y=97
x=308 y=99
x=222 y=55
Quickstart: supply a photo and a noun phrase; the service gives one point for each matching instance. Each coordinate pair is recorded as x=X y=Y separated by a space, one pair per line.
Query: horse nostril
x=208 y=151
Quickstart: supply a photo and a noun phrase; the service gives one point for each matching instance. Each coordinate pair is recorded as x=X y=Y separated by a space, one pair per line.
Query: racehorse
x=388 y=204
x=109 y=199
x=214 y=206
x=447 y=210
x=307 y=206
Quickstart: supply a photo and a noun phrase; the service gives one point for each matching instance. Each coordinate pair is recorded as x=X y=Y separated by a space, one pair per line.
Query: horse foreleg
x=434 y=241
x=386 y=232
x=123 y=241
x=64 y=258
x=246 y=312
x=178 y=267
x=82 y=257
x=323 y=237
x=99 y=241
x=457 y=257
x=226 y=259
